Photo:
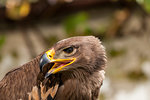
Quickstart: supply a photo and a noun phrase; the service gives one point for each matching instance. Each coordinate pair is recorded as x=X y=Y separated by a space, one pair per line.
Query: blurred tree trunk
x=50 y=8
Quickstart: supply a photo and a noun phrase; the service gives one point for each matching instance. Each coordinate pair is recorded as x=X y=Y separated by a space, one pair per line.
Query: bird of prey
x=73 y=64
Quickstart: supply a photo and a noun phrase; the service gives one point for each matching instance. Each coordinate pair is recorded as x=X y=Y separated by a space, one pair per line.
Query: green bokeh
x=76 y=22
x=2 y=40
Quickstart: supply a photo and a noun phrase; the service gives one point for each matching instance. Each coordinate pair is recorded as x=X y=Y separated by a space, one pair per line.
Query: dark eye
x=68 y=50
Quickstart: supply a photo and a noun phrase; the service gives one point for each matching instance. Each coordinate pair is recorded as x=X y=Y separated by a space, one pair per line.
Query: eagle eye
x=68 y=50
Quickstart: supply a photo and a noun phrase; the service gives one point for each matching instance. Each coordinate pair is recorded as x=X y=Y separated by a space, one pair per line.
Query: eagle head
x=80 y=52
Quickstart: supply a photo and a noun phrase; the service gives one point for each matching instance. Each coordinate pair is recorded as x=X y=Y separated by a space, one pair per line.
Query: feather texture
x=79 y=81
x=18 y=82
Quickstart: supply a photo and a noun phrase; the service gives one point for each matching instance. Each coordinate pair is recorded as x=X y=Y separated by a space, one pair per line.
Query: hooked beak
x=56 y=64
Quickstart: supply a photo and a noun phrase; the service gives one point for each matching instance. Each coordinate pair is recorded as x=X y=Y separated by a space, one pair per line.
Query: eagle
x=73 y=67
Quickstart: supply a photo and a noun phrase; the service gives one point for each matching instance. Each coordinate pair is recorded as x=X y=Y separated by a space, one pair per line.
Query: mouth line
x=58 y=64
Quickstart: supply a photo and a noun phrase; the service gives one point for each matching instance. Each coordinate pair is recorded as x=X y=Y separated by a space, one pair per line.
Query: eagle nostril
x=50 y=56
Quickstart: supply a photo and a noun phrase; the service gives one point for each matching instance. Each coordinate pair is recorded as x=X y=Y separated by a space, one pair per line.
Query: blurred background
x=28 y=27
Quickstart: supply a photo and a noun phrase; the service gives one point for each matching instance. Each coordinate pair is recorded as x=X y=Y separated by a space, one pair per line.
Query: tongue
x=61 y=65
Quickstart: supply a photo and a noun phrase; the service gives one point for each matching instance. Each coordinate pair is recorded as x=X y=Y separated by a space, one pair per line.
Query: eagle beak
x=58 y=64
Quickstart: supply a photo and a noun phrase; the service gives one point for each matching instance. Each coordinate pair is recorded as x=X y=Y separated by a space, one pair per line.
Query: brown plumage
x=79 y=80
x=18 y=82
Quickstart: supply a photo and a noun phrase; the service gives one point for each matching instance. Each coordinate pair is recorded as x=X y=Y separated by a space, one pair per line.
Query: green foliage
x=137 y=75
x=14 y=54
x=2 y=2
x=0 y=57
x=88 y=31
x=115 y=53
x=2 y=40
x=51 y=40
x=102 y=29
x=145 y=4
x=77 y=24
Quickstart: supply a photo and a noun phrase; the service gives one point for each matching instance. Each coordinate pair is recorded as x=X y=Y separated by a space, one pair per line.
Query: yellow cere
x=50 y=53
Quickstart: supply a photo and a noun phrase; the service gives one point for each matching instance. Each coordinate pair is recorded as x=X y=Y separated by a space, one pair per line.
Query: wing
x=17 y=83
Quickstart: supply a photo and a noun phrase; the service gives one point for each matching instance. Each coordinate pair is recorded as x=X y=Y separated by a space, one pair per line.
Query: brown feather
x=84 y=80
x=17 y=83
x=81 y=81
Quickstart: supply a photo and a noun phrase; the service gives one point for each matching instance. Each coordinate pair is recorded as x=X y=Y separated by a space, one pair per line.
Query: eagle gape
x=74 y=64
